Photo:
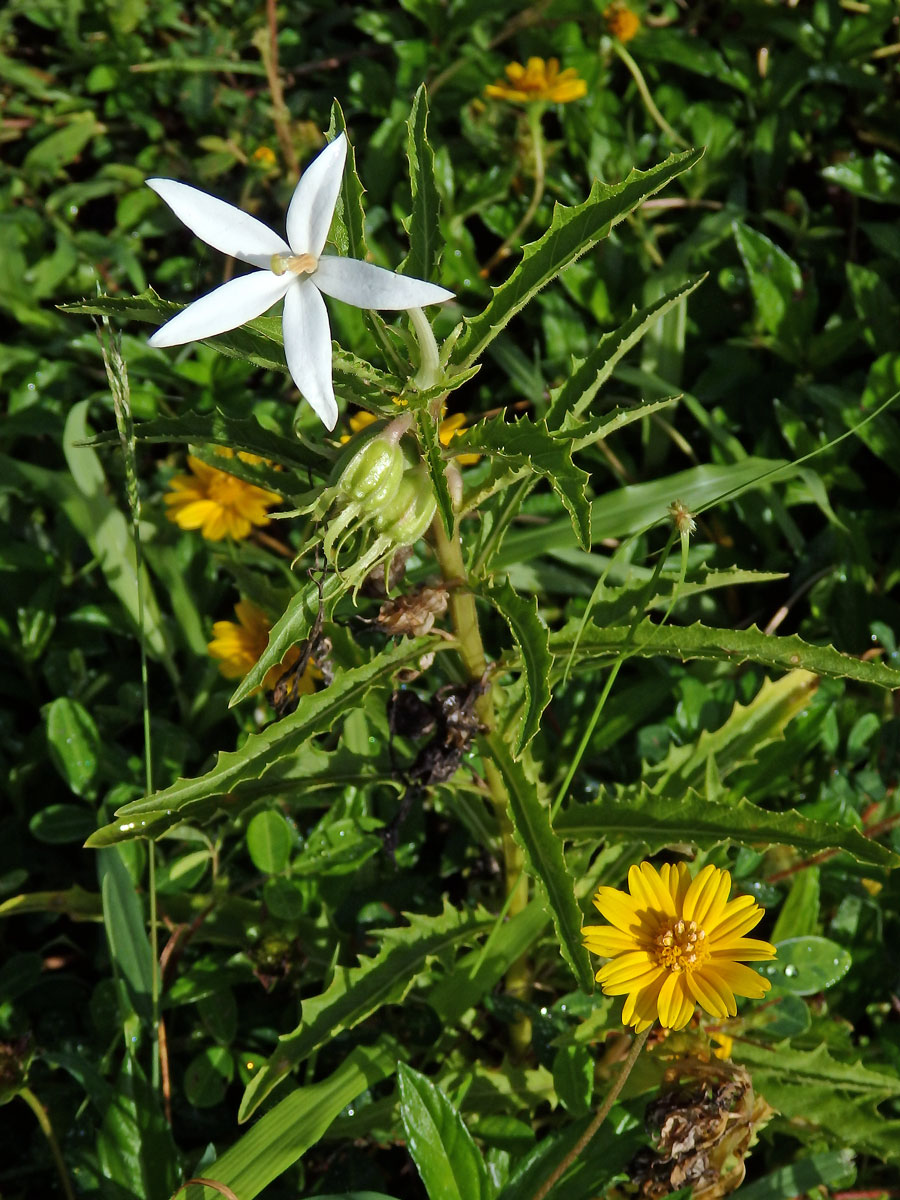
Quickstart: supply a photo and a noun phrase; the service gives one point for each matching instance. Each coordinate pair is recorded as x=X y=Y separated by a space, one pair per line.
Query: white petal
x=312 y=205
x=228 y=306
x=220 y=224
x=368 y=286
x=307 y=347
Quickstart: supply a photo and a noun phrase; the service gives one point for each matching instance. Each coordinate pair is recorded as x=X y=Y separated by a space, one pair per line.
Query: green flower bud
x=409 y=512
x=372 y=471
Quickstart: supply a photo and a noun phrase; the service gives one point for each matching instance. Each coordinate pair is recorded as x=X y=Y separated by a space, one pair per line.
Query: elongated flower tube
x=295 y=270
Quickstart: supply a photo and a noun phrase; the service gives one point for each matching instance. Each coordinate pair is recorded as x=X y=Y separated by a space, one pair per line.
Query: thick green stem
x=603 y=1112
x=471 y=649
x=43 y=1120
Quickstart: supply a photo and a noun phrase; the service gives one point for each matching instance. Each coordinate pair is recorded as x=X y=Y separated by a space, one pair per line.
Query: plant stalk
x=535 y=129
x=43 y=1119
x=602 y=1113
x=464 y=616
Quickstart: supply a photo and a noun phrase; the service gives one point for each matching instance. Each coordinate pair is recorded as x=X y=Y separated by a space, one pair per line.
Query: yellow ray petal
x=618 y=908
x=705 y=994
x=753 y=949
x=743 y=980
x=701 y=893
x=735 y=922
x=608 y=941
x=712 y=978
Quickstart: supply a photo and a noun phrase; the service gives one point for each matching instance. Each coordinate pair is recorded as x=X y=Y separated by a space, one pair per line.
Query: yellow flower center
x=299 y=264
x=681 y=946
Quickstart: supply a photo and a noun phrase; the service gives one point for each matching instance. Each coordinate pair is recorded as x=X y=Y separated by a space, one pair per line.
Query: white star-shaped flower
x=294 y=269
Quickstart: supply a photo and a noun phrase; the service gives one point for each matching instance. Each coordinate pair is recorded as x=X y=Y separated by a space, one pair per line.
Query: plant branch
x=603 y=1112
x=536 y=131
x=43 y=1119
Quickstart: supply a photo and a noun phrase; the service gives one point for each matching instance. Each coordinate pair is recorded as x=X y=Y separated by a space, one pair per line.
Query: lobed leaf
x=638 y=813
x=293 y=626
x=424 y=227
x=839 y=1098
x=573 y=230
x=315 y=714
x=530 y=816
x=588 y=376
x=686 y=642
x=531 y=636
x=525 y=445
x=218 y=429
x=357 y=992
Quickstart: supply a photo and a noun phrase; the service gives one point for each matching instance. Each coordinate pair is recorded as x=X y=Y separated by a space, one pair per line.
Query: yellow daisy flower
x=675 y=942
x=449 y=428
x=621 y=22
x=264 y=156
x=239 y=646
x=539 y=80
x=218 y=504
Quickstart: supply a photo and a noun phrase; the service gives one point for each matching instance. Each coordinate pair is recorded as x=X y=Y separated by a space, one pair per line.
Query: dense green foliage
x=388 y=980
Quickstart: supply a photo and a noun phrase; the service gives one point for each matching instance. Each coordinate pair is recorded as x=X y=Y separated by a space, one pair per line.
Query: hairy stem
x=535 y=129
x=602 y=1113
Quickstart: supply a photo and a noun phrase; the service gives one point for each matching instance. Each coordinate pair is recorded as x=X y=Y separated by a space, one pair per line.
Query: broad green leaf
x=572 y=232
x=839 y=1098
x=597 y=645
x=357 y=992
x=424 y=228
x=218 y=429
x=58 y=824
x=806 y=965
x=63 y=146
x=207 y=1077
x=526 y=446
x=298 y=1122
x=785 y=301
x=531 y=636
x=293 y=627
x=134 y=1143
x=123 y=919
x=269 y=842
x=73 y=742
x=530 y=816
x=660 y=820
x=448 y=1161
x=589 y=375
x=799 y=914
x=315 y=714
x=573 y=1078
x=875 y=178
x=834 y=1168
